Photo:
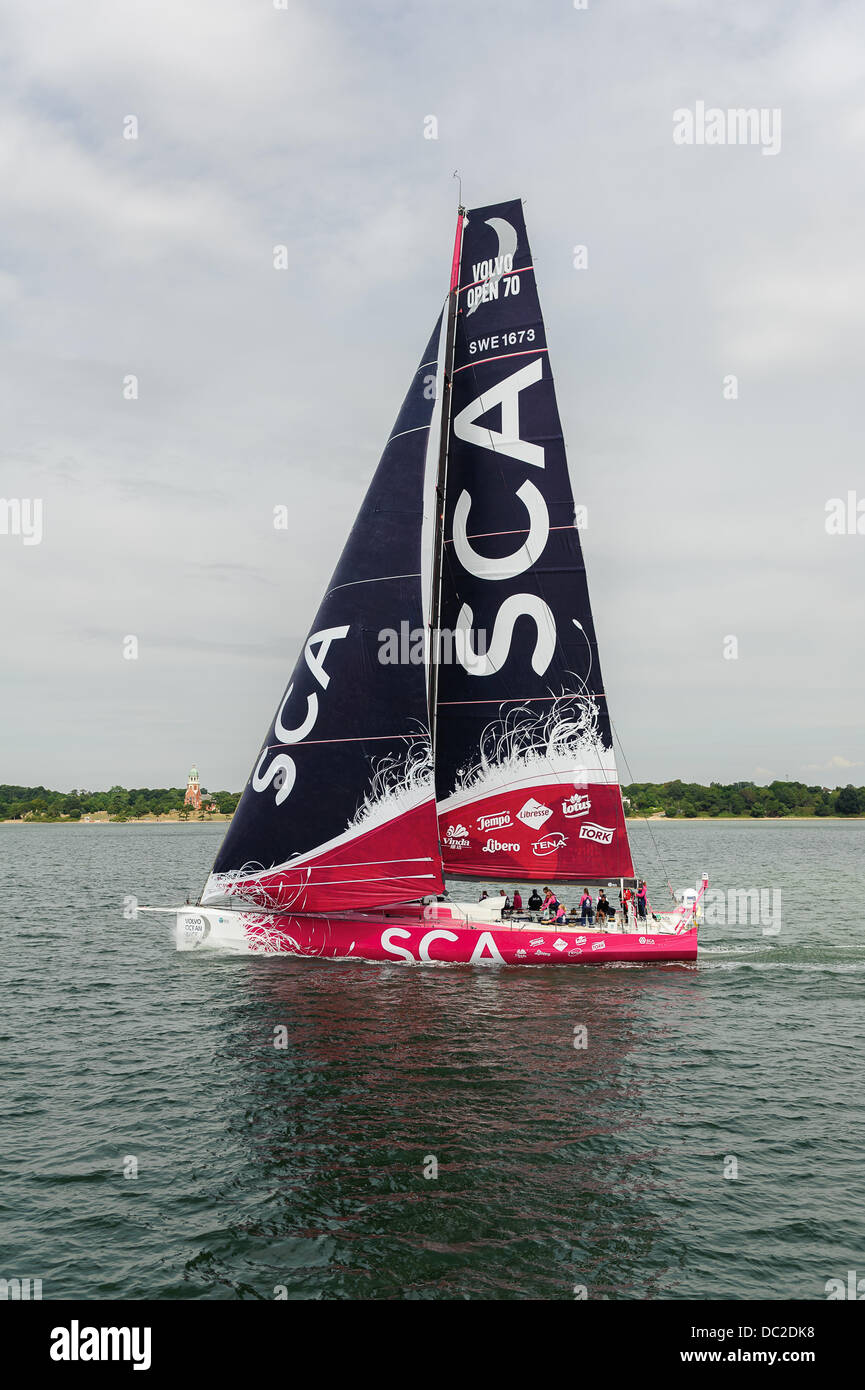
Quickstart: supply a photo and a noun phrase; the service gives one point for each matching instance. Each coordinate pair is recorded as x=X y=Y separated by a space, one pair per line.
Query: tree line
x=120 y=803
x=674 y=799
x=690 y=799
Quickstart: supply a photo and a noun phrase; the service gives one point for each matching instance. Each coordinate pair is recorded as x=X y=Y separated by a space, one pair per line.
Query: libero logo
x=601 y=834
x=578 y=805
x=533 y=813
x=494 y=846
x=550 y=843
x=494 y=821
x=76 y=1343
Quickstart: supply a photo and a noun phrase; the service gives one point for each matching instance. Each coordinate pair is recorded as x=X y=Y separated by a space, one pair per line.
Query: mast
x=441 y=476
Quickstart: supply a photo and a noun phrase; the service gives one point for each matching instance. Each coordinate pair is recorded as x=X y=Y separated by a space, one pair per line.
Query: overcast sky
x=305 y=126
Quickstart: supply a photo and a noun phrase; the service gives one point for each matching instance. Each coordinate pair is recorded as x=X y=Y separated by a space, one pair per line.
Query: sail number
x=521 y=335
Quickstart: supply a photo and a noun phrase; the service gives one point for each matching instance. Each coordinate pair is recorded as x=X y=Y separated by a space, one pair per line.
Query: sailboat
x=446 y=718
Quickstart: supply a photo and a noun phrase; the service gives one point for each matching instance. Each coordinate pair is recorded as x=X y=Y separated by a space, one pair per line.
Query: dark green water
x=304 y=1167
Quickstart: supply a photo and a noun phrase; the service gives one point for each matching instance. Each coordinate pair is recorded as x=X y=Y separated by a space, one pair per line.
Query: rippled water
x=304 y=1166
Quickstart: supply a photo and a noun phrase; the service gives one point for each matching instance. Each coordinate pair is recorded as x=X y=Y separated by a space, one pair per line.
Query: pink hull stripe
x=440 y=940
x=544 y=833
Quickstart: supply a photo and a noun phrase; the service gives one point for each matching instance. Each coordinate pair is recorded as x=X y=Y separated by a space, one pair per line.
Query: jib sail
x=525 y=773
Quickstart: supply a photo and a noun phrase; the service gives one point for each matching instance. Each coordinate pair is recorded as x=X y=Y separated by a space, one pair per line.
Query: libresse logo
x=533 y=813
x=601 y=834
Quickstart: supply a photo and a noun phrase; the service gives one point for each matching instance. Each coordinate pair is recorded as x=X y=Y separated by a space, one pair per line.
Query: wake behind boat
x=446 y=716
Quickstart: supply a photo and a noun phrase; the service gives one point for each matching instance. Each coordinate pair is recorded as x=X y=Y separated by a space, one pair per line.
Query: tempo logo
x=76 y=1343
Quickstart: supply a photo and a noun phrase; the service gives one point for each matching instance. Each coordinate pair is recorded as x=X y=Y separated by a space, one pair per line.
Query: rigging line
x=642 y=813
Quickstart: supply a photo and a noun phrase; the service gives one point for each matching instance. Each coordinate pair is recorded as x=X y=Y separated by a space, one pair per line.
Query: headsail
x=525 y=772
x=339 y=810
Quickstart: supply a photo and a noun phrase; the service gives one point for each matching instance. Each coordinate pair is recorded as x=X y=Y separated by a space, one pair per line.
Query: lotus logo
x=533 y=813
x=578 y=805
x=550 y=843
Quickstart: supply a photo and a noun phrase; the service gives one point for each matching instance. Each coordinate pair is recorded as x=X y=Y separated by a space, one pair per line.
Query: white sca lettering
x=282 y=771
x=508 y=442
x=485 y=948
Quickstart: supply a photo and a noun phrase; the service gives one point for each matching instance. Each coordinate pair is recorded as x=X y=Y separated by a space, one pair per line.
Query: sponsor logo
x=550 y=843
x=647 y=941
x=519 y=954
x=456 y=837
x=533 y=813
x=580 y=940
x=579 y=805
x=598 y=945
x=601 y=834
x=537 y=941
x=493 y=846
x=577 y=951
x=542 y=953
x=559 y=944
x=494 y=821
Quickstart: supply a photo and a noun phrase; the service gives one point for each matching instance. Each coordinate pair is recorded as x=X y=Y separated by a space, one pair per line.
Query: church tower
x=193 y=790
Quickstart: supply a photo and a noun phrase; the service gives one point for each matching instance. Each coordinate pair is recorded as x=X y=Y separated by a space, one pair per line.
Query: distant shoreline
x=172 y=818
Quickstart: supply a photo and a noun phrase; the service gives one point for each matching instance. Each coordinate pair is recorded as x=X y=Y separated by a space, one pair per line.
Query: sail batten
x=526 y=778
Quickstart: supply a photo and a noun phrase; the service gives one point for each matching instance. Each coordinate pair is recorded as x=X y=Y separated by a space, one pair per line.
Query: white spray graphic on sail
x=563 y=740
x=400 y=782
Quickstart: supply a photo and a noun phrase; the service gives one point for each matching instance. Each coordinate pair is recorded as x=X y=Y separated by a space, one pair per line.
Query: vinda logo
x=601 y=834
x=494 y=821
x=281 y=772
x=487 y=274
x=550 y=843
x=578 y=805
x=457 y=837
x=533 y=813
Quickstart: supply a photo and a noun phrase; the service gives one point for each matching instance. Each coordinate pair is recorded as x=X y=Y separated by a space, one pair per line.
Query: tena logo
x=550 y=843
x=533 y=813
x=494 y=821
x=578 y=805
x=599 y=833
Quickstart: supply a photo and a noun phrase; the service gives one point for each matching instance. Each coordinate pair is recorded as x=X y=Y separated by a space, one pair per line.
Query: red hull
x=434 y=938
